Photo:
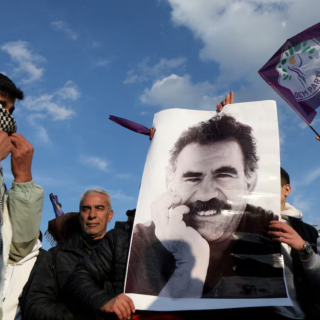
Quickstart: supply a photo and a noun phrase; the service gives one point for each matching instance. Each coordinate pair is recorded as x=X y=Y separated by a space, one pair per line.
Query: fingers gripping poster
x=210 y=187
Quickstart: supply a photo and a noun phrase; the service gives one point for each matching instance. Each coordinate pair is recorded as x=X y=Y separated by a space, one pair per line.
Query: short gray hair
x=99 y=191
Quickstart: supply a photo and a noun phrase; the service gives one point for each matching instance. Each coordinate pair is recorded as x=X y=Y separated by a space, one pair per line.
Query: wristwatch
x=306 y=249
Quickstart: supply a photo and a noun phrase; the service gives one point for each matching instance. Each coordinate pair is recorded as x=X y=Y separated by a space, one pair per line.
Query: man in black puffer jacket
x=77 y=236
x=108 y=264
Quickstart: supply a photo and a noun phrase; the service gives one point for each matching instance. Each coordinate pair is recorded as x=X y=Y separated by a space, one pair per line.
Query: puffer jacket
x=100 y=276
x=45 y=300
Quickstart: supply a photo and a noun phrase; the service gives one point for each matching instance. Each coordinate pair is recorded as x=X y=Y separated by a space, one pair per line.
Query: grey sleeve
x=312 y=269
x=25 y=203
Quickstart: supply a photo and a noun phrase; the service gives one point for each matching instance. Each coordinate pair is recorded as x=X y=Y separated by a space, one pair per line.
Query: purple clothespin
x=136 y=127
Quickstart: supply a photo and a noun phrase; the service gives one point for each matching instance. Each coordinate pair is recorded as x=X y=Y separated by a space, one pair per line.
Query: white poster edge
x=153 y=303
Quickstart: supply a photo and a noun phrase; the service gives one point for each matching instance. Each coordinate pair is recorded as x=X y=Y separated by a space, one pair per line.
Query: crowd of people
x=82 y=276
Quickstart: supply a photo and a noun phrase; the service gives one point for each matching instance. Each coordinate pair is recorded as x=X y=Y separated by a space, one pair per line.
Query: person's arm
x=187 y=279
x=90 y=275
x=228 y=100
x=43 y=301
x=312 y=269
x=310 y=262
x=25 y=204
x=189 y=249
x=286 y=234
x=25 y=200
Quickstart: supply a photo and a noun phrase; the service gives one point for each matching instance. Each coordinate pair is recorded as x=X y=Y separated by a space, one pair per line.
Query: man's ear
x=287 y=189
x=252 y=182
x=110 y=216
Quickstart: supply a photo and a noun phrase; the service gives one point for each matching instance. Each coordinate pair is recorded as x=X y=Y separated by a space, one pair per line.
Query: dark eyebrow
x=226 y=169
x=99 y=205
x=191 y=174
x=96 y=206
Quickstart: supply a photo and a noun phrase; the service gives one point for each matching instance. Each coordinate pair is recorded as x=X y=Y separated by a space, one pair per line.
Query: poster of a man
x=204 y=237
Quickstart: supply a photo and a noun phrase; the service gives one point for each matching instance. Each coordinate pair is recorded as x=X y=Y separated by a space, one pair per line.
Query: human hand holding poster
x=211 y=186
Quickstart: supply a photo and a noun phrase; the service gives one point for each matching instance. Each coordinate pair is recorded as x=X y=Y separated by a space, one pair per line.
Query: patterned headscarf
x=8 y=125
x=7 y=122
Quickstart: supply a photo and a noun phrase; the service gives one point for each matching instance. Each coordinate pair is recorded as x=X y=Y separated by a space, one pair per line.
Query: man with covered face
x=204 y=239
x=21 y=207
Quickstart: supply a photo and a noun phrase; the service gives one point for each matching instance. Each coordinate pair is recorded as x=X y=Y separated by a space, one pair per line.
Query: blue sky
x=79 y=61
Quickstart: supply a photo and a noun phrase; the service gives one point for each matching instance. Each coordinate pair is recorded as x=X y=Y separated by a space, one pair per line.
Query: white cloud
x=35 y=116
x=96 y=44
x=179 y=92
x=101 y=63
x=28 y=62
x=60 y=25
x=119 y=195
x=134 y=78
x=282 y=137
x=303 y=125
x=311 y=176
x=145 y=72
x=42 y=135
x=69 y=91
x=47 y=106
x=47 y=181
x=302 y=203
x=52 y=105
x=94 y=162
x=124 y=175
x=242 y=35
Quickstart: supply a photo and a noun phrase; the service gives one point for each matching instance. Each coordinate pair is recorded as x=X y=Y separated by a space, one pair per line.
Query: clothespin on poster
x=133 y=126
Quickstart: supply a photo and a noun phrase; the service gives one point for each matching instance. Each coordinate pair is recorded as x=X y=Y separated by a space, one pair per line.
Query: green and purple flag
x=294 y=72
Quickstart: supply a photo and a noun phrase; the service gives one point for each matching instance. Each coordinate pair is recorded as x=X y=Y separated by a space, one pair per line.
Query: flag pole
x=314 y=131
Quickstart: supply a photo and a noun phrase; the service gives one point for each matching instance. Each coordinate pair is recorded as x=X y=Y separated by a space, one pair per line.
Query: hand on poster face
x=21 y=159
x=318 y=138
x=5 y=145
x=171 y=230
x=121 y=305
x=190 y=250
x=286 y=234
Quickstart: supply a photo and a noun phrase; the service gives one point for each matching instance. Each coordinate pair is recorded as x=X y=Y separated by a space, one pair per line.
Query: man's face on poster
x=211 y=181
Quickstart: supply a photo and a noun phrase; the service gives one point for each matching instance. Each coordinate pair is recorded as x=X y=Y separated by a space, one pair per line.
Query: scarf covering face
x=8 y=125
x=7 y=122
x=2 y=200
